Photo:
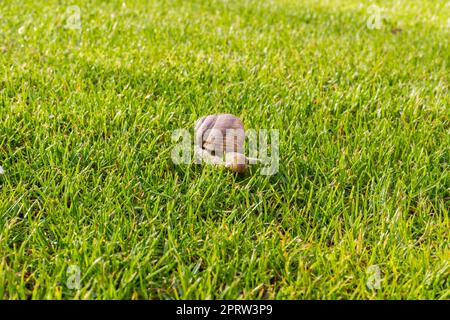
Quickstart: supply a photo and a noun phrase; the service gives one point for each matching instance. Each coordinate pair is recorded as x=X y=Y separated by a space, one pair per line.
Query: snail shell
x=219 y=134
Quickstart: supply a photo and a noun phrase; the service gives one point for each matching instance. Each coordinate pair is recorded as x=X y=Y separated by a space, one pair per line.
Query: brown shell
x=220 y=133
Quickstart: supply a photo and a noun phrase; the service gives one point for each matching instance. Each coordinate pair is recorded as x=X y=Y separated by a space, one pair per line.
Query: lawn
x=93 y=207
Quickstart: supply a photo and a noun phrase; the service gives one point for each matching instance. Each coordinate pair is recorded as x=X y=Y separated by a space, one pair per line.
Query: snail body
x=236 y=162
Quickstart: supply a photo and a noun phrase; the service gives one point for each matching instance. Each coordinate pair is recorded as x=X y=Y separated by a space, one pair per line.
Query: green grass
x=85 y=140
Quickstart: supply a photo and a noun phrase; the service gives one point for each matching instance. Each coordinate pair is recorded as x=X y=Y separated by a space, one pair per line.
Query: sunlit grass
x=86 y=119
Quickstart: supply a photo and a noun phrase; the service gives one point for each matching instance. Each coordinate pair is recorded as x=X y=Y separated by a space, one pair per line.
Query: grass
x=86 y=120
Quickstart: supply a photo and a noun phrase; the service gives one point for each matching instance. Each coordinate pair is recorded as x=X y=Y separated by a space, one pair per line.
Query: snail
x=219 y=140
